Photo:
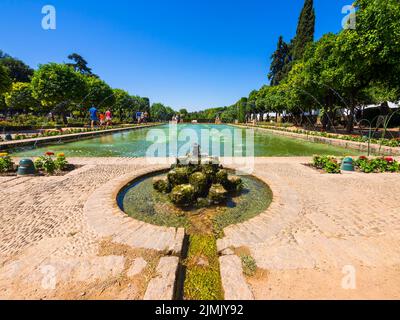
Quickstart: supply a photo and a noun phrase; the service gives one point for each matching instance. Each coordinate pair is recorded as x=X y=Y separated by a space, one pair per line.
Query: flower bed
x=394 y=143
x=331 y=164
x=49 y=164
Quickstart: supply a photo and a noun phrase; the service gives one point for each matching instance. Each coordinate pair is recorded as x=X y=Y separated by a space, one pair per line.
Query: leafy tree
x=169 y=113
x=100 y=94
x=280 y=59
x=145 y=104
x=184 y=113
x=18 y=71
x=4 y=55
x=123 y=102
x=242 y=109
x=3 y=106
x=158 y=112
x=5 y=81
x=305 y=29
x=58 y=87
x=20 y=98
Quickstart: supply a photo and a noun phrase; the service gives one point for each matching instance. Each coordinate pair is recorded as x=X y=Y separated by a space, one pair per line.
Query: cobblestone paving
x=316 y=225
x=41 y=220
x=320 y=224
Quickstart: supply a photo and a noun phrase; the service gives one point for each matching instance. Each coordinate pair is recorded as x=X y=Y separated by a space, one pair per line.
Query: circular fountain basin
x=140 y=201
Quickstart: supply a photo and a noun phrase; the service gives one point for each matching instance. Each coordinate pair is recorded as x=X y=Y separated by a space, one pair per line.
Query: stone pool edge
x=357 y=146
x=9 y=145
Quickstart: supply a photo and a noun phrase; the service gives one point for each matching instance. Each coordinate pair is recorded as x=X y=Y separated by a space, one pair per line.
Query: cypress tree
x=305 y=29
x=280 y=59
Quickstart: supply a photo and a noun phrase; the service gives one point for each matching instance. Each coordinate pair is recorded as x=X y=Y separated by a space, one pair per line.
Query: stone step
x=233 y=281
x=161 y=287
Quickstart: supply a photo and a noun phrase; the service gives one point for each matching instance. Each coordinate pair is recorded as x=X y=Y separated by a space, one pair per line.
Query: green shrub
x=327 y=163
x=45 y=163
x=61 y=162
x=381 y=164
x=6 y=163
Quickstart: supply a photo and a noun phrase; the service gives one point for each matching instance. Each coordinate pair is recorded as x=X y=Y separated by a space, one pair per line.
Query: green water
x=135 y=144
x=142 y=202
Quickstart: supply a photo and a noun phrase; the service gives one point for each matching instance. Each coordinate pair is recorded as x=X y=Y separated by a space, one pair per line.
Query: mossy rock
x=202 y=203
x=200 y=183
x=234 y=184
x=210 y=170
x=161 y=184
x=178 y=176
x=221 y=177
x=183 y=195
x=217 y=193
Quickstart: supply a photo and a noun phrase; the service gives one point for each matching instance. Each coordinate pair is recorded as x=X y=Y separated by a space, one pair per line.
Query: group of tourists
x=100 y=118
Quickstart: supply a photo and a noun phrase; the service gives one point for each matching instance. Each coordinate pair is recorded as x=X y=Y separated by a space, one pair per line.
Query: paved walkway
x=318 y=229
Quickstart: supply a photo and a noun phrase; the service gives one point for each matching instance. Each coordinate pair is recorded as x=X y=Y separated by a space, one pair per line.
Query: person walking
x=93 y=116
x=108 y=118
x=102 y=118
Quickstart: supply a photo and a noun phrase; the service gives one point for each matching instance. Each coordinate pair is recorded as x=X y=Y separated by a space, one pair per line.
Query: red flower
x=48 y=153
x=389 y=159
x=362 y=158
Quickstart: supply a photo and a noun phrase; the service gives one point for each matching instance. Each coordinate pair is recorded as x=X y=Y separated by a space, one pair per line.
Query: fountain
x=200 y=195
x=197 y=180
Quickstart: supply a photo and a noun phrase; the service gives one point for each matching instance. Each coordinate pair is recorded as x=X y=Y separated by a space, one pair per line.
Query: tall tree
x=305 y=30
x=280 y=58
x=5 y=81
x=242 y=109
x=80 y=64
x=18 y=71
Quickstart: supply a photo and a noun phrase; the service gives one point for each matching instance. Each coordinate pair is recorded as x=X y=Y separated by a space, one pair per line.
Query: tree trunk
x=350 y=120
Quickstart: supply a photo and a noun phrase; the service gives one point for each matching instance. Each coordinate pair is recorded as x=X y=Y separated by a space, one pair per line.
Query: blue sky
x=193 y=54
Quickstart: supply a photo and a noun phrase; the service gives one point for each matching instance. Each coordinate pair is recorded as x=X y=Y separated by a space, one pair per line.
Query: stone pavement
x=319 y=229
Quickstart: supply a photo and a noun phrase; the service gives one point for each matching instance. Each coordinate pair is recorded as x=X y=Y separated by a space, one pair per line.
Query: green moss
x=183 y=195
x=234 y=184
x=203 y=281
x=199 y=181
x=222 y=176
x=210 y=170
x=178 y=176
x=249 y=265
x=161 y=184
x=217 y=193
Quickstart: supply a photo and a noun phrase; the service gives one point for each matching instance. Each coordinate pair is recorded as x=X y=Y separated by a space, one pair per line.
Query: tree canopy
x=17 y=70
x=305 y=29
x=58 y=86
x=5 y=81
x=20 y=98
